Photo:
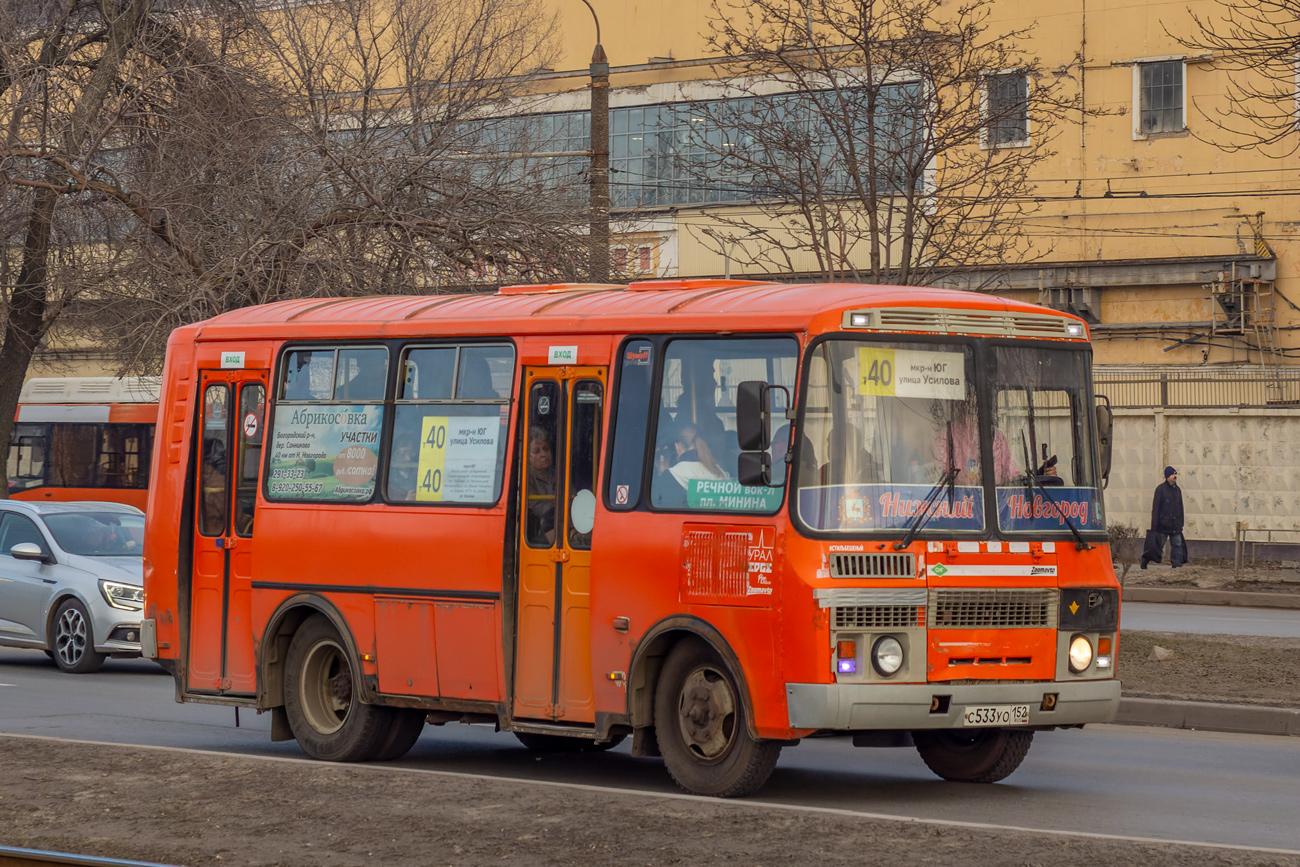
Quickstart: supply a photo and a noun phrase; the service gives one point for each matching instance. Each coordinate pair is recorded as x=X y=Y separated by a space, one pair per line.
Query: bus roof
x=679 y=305
x=91 y=389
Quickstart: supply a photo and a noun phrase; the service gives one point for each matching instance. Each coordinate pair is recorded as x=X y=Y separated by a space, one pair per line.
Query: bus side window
x=252 y=413
x=362 y=375
x=214 y=462
x=631 y=423
x=27 y=457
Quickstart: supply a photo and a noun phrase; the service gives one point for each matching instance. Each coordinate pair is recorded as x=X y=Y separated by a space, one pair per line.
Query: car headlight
x=128 y=597
x=1080 y=654
x=887 y=656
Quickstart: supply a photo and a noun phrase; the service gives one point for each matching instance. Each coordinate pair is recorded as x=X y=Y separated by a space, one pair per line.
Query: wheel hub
x=70 y=637
x=326 y=687
x=707 y=714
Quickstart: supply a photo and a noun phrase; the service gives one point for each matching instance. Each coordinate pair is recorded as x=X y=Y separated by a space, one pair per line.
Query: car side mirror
x=28 y=551
x=1105 y=433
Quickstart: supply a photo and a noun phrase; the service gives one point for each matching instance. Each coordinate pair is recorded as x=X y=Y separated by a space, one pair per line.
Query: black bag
x=1151 y=550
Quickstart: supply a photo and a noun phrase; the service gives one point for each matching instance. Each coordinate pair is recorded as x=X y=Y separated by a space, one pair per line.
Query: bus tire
x=403 y=732
x=700 y=723
x=74 y=640
x=973 y=755
x=326 y=716
x=539 y=743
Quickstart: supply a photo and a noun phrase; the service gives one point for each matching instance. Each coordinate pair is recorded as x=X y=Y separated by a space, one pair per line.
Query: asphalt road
x=1211 y=619
x=1174 y=785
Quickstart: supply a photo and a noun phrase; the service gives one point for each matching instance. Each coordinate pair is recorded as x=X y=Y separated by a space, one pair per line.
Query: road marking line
x=680 y=796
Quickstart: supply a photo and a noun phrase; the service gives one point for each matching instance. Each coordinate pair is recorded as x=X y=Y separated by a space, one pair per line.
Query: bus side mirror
x=754 y=469
x=753 y=415
x=1105 y=432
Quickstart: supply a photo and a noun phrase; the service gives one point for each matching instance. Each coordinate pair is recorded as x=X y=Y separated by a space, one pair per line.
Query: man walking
x=1167 y=520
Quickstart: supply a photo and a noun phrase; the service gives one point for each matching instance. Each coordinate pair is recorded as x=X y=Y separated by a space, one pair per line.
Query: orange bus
x=716 y=516
x=83 y=438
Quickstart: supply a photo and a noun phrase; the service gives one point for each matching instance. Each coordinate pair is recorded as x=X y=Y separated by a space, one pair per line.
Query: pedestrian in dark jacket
x=1167 y=521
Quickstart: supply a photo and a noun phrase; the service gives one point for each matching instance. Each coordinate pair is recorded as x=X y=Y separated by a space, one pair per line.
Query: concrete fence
x=1234 y=465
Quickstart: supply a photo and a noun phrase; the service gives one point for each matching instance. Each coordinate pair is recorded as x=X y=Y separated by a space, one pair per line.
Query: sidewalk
x=1209 y=716
x=1193 y=596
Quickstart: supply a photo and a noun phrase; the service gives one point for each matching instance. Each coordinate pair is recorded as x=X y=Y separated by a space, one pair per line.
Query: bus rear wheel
x=328 y=719
x=701 y=727
x=973 y=755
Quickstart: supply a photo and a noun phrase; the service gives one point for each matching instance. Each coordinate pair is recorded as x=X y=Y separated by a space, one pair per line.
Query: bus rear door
x=562 y=452
x=230 y=457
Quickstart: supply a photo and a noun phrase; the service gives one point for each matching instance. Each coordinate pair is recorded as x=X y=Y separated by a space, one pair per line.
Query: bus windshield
x=884 y=423
x=892 y=435
x=1041 y=408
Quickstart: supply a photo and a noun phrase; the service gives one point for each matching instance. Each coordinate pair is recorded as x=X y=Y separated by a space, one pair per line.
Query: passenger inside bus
x=686 y=457
x=965 y=445
x=540 y=513
x=851 y=463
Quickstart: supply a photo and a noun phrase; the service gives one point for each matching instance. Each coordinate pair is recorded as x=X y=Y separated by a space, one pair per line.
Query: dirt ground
x=1238 y=669
x=194 y=809
x=1214 y=575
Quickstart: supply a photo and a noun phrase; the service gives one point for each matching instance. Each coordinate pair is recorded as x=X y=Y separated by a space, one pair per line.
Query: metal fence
x=1203 y=388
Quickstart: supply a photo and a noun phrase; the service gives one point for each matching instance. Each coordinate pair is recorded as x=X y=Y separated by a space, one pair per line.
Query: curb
x=1237 y=598
x=1209 y=716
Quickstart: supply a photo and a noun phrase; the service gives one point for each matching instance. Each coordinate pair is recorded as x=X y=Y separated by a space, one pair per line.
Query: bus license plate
x=996 y=715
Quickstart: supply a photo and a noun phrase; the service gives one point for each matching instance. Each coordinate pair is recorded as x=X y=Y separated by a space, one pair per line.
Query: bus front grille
x=879 y=616
x=873 y=565
x=963 y=608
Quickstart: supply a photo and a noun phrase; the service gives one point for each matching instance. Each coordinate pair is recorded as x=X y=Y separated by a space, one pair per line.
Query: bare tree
x=887 y=140
x=1256 y=42
x=164 y=162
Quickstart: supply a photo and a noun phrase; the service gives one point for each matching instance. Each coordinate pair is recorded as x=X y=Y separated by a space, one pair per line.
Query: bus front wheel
x=327 y=717
x=973 y=755
x=701 y=727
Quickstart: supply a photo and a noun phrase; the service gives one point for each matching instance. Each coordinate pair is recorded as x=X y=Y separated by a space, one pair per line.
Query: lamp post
x=599 y=229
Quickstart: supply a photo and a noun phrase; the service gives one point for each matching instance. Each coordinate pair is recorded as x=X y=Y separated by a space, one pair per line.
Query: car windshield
x=883 y=424
x=98 y=534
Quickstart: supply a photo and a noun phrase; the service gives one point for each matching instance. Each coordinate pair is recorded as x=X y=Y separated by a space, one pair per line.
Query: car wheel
x=973 y=755
x=326 y=715
x=74 y=641
x=700 y=724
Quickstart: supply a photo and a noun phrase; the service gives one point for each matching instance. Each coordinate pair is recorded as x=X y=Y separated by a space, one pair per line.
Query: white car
x=71 y=580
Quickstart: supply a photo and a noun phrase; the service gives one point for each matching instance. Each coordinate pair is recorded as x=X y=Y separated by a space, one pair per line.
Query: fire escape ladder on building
x=1243 y=310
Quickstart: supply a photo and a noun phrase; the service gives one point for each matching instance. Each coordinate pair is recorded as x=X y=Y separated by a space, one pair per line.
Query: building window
x=643 y=260
x=1006 y=109
x=1160 y=97
x=618 y=263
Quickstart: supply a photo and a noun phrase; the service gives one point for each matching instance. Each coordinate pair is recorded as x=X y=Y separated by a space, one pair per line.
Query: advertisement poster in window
x=325 y=453
x=458 y=459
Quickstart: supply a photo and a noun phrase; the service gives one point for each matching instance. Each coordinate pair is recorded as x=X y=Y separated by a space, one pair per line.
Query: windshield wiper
x=1032 y=478
x=949 y=482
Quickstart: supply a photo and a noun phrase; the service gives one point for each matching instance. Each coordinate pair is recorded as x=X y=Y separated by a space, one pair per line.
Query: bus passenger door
x=230 y=458
x=562 y=440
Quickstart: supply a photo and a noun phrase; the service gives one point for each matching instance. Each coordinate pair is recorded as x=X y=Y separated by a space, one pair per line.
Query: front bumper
x=883 y=706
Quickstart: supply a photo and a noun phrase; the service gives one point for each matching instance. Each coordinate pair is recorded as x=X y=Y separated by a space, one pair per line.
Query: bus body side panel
x=420 y=588
x=166 y=496
x=641 y=579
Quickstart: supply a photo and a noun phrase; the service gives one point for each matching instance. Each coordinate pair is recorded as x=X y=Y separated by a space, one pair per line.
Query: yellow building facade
x=1180 y=253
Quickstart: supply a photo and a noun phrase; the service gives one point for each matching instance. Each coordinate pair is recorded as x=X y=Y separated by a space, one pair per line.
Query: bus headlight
x=887 y=656
x=1080 y=654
